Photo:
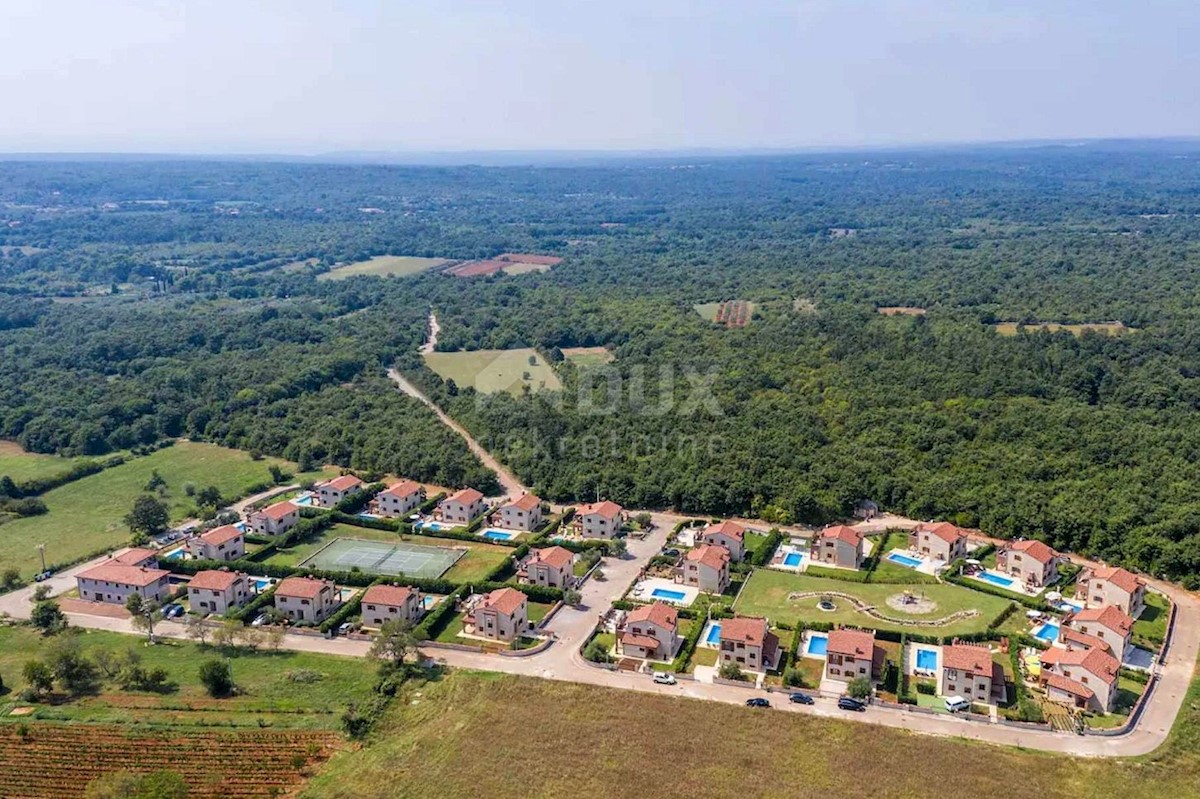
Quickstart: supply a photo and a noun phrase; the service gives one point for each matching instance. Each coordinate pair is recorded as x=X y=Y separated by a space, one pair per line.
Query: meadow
x=492 y=371
x=86 y=516
x=21 y=465
x=588 y=356
x=445 y=747
x=1107 y=328
x=383 y=266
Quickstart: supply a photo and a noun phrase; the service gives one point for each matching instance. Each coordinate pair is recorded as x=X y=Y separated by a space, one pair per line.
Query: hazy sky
x=300 y=76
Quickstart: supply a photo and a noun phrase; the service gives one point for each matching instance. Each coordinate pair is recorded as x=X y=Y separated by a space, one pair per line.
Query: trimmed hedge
x=551 y=527
x=347 y=610
x=359 y=499
x=428 y=505
x=845 y=575
x=679 y=664
x=341 y=517
x=251 y=608
x=975 y=585
x=436 y=620
x=456 y=535
x=762 y=555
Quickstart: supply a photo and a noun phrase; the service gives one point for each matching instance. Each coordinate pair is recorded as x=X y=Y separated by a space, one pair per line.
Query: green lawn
x=766 y=594
x=753 y=542
x=1150 y=630
x=21 y=465
x=492 y=371
x=86 y=515
x=584 y=357
x=383 y=265
x=268 y=691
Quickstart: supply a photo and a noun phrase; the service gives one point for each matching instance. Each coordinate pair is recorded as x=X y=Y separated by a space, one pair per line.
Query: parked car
x=664 y=678
x=800 y=699
x=345 y=628
x=259 y=620
x=758 y=701
x=850 y=703
x=172 y=610
x=954 y=704
x=673 y=553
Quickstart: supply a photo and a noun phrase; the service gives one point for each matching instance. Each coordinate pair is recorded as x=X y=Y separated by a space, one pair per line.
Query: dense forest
x=142 y=300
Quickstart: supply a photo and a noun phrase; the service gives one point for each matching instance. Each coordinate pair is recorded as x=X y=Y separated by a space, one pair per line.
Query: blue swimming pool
x=261 y=584
x=1069 y=605
x=927 y=660
x=996 y=579
x=903 y=560
x=175 y=554
x=714 y=635
x=498 y=535
x=1047 y=632
x=817 y=644
x=665 y=593
x=435 y=526
x=302 y=500
x=793 y=559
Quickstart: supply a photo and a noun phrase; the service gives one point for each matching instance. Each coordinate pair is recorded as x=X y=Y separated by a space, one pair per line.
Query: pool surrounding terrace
x=658 y=589
x=904 y=560
x=175 y=554
x=302 y=500
x=1047 y=632
x=790 y=558
x=816 y=645
x=436 y=526
x=1000 y=580
x=712 y=635
x=925 y=659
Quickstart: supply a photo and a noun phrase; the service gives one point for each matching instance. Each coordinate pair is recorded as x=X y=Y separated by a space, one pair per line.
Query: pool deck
x=925 y=566
x=643 y=590
x=777 y=562
x=911 y=659
x=804 y=646
x=1016 y=587
x=704 y=635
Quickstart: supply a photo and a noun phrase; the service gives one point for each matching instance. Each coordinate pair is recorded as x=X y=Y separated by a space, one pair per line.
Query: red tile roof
x=467 y=496
x=1109 y=615
x=1083 y=639
x=557 y=557
x=856 y=643
x=842 y=533
x=504 y=600
x=115 y=572
x=1067 y=684
x=396 y=595
x=343 y=483
x=646 y=642
x=402 y=489
x=943 y=530
x=711 y=555
x=136 y=556
x=215 y=580
x=659 y=613
x=1097 y=661
x=1034 y=549
x=526 y=502
x=745 y=630
x=726 y=528
x=302 y=587
x=607 y=509
x=279 y=510
x=1127 y=581
x=221 y=535
x=968 y=658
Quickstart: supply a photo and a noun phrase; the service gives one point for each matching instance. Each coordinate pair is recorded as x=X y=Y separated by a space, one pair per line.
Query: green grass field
x=267 y=691
x=444 y=746
x=1107 y=328
x=21 y=465
x=765 y=594
x=588 y=356
x=383 y=266
x=492 y=371
x=1150 y=629
x=86 y=515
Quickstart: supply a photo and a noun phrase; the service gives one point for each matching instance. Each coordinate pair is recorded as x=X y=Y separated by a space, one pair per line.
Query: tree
x=145 y=613
x=595 y=652
x=227 y=634
x=731 y=671
x=48 y=617
x=209 y=497
x=39 y=676
x=8 y=488
x=217 y=677
x=74 y=672
x=643 y=520
x=277 y=475
x=395 y=642
x=195 y=628
x=156 y=481
x=41 y=592
x=251 y=637
x=10 y=579
x=275 y=637
x=149 y=516
x=859 y=688
x=572 y=597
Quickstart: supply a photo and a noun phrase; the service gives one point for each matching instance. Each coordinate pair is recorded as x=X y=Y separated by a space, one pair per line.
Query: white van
x=954 y=704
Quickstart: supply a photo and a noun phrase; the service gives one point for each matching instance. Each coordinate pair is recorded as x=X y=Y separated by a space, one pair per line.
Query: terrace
x=658 y=588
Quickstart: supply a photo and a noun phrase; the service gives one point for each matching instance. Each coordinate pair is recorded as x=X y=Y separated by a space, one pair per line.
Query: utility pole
x=41 y=548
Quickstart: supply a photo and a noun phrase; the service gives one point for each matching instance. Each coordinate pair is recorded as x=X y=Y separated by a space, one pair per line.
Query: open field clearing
x=588 y=356
x=524 y=269
x=9 y=249
x=21 y=465
x=804 y=305
x=86 y=515
x=900 y=310
x=1107 y=328
x=384 y=265
x=456 y=743
x=766 y=594
x=731 y=313
x=491 y=371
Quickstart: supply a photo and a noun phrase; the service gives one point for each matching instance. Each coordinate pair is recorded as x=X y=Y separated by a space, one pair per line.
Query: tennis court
x=379 y=557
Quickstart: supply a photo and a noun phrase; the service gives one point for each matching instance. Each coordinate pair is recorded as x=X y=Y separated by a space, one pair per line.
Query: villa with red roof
x=599 y=519
x=461 y=507
x=220 y=543
x=837 y=545
x=274 y=519
x=850 y=654
x=552 y=566
x=730 y=535
x=217 y=591
x=399 y=499
x=1033 y=563
x=113 y=581
x=967 y=670
x=1110 y=585
x=942 y=541
x=331 y=492
x=305 y=599
x=138 y=556
x=650 y=632
x=1083 y=678
x=384 y=603
x=706 y=567
x=523 y=513
x=1107 y=624
x=502 y=615
x=748 y=643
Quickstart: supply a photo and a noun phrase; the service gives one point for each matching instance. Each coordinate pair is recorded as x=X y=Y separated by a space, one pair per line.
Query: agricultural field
x=766 y=594
x=1107 y=328
x=731 y=313
x=444 y=747
x=493 y=371
x=21 y=465
x=588 y=356
x=524 y=269
x=86 y=516
x=383 y=266
x=900 y=310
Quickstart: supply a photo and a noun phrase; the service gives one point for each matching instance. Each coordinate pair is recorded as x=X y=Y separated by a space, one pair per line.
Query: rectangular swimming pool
x=996 y=579
x=438 y=526
x=714 y=635
x=817 y=644
x=903 y=560
x=793 y=559
x=927 y=660
x=498 y=535
x=672 y=596
x=1047 y=632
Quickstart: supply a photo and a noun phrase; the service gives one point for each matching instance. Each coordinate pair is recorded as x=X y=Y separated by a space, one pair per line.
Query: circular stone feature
x=909 y=602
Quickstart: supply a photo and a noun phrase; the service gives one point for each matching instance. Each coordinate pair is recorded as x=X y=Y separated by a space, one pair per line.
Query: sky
x=309 y=77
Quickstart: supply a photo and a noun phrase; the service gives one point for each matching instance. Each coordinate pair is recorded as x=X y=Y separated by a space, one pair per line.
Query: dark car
x=757 y=701
x=850 y=703
x=671 y=553
x=800 y=699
